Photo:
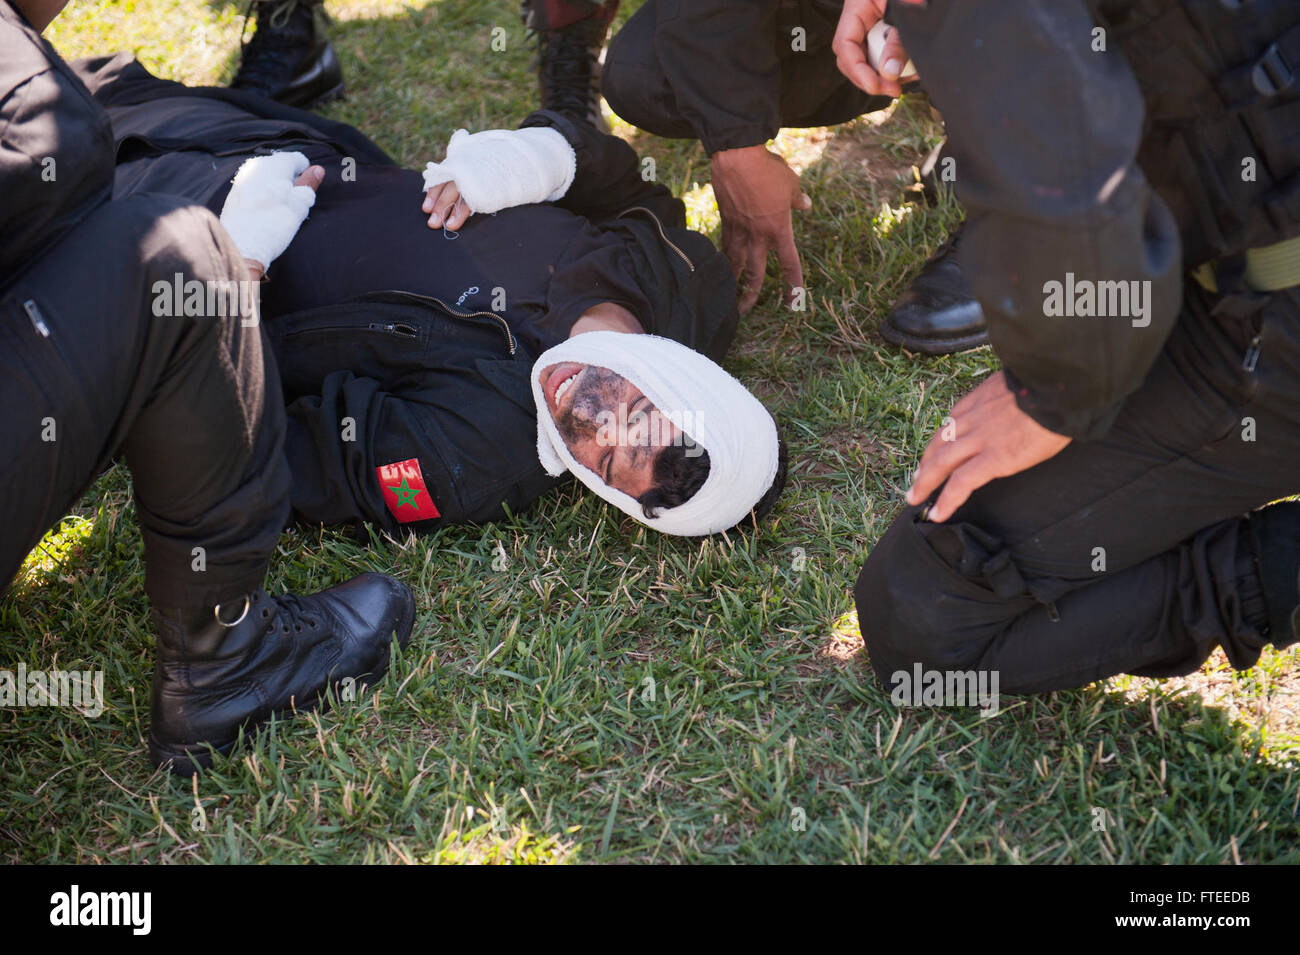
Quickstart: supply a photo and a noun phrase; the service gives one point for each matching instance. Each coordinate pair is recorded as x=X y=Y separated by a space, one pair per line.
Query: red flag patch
x=404 y=490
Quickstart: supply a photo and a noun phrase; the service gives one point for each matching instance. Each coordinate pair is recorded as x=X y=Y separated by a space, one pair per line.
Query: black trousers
x=1123 y=555
x=88 y=370
x=813 y=91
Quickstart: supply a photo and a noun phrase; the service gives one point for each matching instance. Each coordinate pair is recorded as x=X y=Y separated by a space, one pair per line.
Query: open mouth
x=560 y=381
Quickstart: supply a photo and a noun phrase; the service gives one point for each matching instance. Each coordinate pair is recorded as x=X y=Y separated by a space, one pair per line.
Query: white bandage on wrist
x=500 y=168
x=264 y=208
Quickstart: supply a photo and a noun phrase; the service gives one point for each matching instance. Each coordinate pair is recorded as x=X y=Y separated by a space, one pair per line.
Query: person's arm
x=720 y=58
x=609 y=179
x=474 y=444
x=1058 y=215
x=598 y=275
x=1047 y=172
x=1055 y=200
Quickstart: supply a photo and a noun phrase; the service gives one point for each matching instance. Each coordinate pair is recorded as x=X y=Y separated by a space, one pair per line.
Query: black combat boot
x=569 y=70
x=290 y=58
x=938 y=314
x=240 y=663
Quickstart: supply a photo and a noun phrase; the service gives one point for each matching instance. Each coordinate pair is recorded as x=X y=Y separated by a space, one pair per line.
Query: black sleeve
x=720 y=58
x=1044 y=134
x=608 y=179
x=475 y=444
x=601 y=272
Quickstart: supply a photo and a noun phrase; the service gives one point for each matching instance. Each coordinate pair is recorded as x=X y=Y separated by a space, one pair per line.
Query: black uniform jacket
x=56 y=148
x=422 y=380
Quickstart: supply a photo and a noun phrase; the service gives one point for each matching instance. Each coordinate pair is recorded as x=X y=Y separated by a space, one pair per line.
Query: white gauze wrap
x=876 y=38
x=500 y=168
x=264 y=209
x=698 y=396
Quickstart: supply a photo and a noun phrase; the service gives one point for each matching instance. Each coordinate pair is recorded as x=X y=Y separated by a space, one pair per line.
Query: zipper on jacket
x=505 y=327
x=398 y=328
x=662 y=234
x=38 y=320
x=1252 y=355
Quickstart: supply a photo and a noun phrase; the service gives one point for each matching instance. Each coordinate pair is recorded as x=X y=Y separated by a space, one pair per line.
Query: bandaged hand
x=497 y=169
x=267 y=203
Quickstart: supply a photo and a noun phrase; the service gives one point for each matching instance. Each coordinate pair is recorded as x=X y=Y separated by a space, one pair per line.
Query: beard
x=595 y=390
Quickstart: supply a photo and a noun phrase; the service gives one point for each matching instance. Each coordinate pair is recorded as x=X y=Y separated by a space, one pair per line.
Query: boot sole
x=934 y=346
x=182 y=761
x=329 y=96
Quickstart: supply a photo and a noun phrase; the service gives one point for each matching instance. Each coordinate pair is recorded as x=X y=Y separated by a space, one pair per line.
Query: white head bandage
x=502 y=168
x=698 y=396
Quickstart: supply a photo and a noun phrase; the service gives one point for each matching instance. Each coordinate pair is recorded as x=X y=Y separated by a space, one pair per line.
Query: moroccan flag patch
x=404 y=491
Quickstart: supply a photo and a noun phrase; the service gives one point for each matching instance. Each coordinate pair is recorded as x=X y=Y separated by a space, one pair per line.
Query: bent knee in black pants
x=812 y=90
x=184 y=398
x=1124 y=555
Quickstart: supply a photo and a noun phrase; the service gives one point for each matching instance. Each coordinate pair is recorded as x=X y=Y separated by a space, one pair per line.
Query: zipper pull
x=1252 y=355
x=38 y=320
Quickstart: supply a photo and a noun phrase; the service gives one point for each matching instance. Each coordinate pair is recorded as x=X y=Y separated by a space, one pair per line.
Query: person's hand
x=850 y=49
x=986 y=436
x=311 y=177
x=445 y=207
x=756 y=191
x=267 y=203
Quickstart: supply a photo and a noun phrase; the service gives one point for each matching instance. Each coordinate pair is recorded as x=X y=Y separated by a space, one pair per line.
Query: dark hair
x=678 y=477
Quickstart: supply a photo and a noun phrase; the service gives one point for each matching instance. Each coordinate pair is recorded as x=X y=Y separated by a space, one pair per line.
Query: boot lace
x=568 y=74
x=277 y=44
x=291 y=615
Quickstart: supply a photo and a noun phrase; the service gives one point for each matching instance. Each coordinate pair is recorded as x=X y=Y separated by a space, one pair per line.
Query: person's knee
x=616 y=74
x=914 y=606
x=174 y=236
x=634 y=85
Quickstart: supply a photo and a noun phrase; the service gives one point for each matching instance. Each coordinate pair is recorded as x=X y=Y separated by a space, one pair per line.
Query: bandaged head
x=711 y=408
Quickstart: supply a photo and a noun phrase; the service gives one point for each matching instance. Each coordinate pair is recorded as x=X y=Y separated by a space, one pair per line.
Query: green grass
x=521 y=725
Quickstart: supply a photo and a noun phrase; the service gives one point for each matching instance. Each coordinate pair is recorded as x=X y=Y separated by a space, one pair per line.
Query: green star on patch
x=406 y=494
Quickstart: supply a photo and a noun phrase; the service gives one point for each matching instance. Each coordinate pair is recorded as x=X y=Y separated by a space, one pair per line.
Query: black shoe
x=1275 y=536
x=290 y=58
x=938 y=314
x=568 y=70
x=276 y=655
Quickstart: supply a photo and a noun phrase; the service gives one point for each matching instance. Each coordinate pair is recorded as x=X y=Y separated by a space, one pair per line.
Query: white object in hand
x=876 y=38
x=264 y=208
x=500 y=168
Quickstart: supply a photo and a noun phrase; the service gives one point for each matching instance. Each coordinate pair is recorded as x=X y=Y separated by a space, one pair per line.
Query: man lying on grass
x=443 y=366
